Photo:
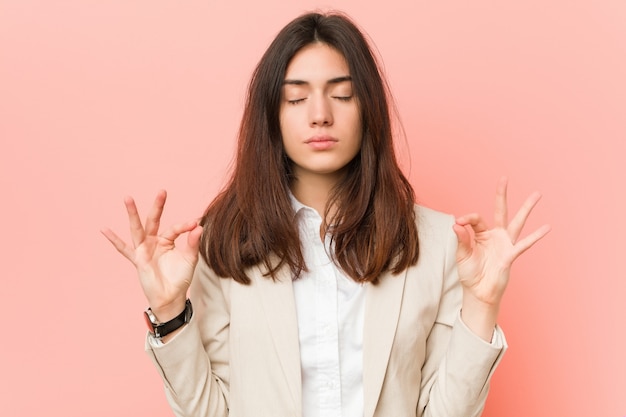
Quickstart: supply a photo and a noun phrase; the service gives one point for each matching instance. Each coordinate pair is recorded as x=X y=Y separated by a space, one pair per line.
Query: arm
x=194 y=365
x=459 y=364
x=165 y=272
x=464 y=349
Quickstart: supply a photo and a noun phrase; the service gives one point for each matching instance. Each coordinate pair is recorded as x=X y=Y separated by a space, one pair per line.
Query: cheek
x=358 y=128
x=287 y=133
x=281 y=118
x=287 y=122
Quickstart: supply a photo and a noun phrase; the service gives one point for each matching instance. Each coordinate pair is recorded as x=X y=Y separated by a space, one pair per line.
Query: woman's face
x=319 y=116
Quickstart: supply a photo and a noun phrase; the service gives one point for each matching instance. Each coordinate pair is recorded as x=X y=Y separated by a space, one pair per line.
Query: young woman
x=322 y=289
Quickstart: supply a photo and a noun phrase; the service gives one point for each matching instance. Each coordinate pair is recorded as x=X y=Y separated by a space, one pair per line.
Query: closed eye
x=296 y=101
x=343 y=98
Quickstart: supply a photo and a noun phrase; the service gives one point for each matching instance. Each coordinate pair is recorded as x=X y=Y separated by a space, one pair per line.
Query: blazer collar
x=280 y=311
x=382 y=311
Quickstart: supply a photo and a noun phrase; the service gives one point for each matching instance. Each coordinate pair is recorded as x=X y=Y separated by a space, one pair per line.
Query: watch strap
x=160 y=330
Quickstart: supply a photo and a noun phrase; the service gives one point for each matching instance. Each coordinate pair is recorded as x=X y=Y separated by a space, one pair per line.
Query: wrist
x=159 y=328
x=480 y=317
x=164 y=312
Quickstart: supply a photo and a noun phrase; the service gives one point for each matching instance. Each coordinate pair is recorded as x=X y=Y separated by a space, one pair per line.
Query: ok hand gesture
x=165 y=271
x=485 y=256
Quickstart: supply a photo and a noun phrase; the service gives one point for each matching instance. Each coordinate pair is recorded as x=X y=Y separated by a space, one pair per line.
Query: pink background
x=99 y=99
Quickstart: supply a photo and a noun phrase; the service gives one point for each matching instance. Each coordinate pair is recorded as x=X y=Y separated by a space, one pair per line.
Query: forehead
x=317 y=62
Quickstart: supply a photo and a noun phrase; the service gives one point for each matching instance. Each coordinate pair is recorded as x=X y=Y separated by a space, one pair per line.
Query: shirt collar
x=301 y=209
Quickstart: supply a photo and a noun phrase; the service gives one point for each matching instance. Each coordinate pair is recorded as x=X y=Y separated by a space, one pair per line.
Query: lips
x=321 y=143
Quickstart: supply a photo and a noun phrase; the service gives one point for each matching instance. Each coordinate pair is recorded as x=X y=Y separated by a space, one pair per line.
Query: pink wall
x=102 y=99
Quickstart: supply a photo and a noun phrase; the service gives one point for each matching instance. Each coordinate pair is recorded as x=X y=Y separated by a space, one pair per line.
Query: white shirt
x=330 y=308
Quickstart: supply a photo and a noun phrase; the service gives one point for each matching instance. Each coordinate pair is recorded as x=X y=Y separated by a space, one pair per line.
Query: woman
x=322 y=290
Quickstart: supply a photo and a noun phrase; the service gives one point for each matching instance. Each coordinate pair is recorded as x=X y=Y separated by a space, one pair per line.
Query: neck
x=314 y=190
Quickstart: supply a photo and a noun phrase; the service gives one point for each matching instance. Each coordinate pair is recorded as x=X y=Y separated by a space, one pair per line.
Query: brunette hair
x=252 y=222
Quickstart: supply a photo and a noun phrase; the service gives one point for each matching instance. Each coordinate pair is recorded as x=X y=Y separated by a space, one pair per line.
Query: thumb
x=193 y=239
x=464 y=248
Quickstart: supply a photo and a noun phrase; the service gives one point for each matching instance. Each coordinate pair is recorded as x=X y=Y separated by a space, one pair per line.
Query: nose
x=320 y=111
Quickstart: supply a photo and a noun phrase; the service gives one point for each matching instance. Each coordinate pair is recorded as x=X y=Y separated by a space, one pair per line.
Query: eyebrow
x=336 y=80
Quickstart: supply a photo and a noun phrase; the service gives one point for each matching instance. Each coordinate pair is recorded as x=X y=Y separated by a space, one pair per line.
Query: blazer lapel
x=280 y=311
x=382 y=311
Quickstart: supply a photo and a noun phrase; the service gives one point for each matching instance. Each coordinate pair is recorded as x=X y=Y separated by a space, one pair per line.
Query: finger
x=474 y=221
x=518 y=222
x=173 y=232
x=153 y=220
x=119 y=244
x=137 y=233
x=501 y=210
x=464 y=247
x=526 y=243
x=193 y=241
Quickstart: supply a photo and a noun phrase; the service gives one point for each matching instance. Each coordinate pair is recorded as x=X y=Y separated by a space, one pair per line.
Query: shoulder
x=437 y=241
x=432 y=224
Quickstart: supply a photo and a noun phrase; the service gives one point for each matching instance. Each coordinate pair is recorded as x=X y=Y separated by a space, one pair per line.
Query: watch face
x=146 y=315
x=188 y=311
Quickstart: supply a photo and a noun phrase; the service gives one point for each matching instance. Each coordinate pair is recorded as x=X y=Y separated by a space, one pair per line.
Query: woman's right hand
x=165 y=271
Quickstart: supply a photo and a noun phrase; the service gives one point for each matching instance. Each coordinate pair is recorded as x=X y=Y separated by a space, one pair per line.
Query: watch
x=158 y=329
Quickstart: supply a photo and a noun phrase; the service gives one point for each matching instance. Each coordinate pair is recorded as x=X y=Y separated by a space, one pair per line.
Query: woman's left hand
x=485 y=255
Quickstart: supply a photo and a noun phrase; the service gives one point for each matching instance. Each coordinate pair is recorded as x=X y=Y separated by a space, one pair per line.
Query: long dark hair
x=252 y=222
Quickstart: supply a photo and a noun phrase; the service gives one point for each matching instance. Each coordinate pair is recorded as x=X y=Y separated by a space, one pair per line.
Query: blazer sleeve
x=194 y=364
x=458 y=364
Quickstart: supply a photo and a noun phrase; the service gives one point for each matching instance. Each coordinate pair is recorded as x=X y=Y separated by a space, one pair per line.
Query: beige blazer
x=239 y=355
